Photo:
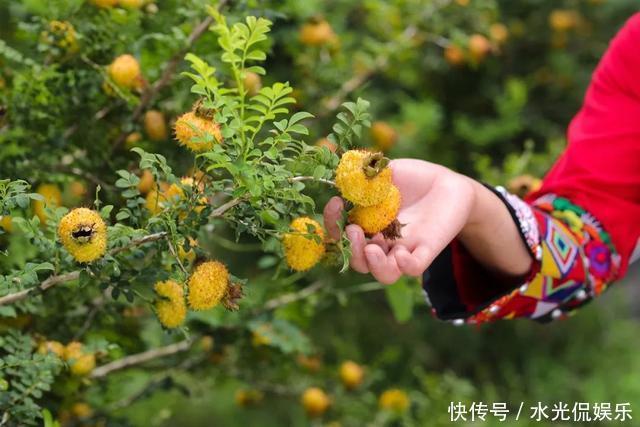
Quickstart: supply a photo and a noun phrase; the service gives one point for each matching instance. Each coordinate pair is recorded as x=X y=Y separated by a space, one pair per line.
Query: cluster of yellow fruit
x=208 y=286
x=364 y=178
x=80 y=361
x=61 y=34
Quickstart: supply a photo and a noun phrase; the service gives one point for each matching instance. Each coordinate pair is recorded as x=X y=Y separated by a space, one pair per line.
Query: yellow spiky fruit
x=374 y=219
x=171 y=308
x=315 y=401
x=54 y=347
x=384 y=136
x=197 y=133
x=363 y=177
x=208 y=285
x=499 y=33
x=125 y=71
x=78 y=189
x=454 y=55
x=81 y=362
x=52 y=199
x=248 y=397
x=351 y=374
x=81 y=410
x=562 y=20
x=301 y=249
x=479 y=47
x=132 y=140
x=83 y=365
x=147 y=183
x=394 y=400
x=83 y=233
x=72 y=350
x=155 y=125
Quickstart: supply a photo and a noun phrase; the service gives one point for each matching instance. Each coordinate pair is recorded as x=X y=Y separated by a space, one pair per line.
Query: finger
x=379 y=240
x=416 y=262
x=332 y=213
x=383 y=267
x=356 y=237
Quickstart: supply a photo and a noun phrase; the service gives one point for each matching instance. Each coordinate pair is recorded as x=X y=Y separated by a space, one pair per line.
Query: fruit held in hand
x=374 y=219
x=363 y=177
x=83 y=233
x=208 y=285
x=351 y=374
x=197 y=133
x=125 y=71
x=170 y=308
x=315 y=401
x=301 y=249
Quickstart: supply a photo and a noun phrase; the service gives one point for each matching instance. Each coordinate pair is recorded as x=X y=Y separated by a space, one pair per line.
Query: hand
x=436 y=205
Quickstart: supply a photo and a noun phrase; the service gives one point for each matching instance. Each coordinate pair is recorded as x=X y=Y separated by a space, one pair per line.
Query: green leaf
x=401 y=298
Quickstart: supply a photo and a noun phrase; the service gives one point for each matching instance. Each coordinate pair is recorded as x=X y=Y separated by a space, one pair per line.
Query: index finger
x=332 y=214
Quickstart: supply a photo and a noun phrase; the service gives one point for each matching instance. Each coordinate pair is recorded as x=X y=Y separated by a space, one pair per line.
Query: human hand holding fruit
x=437 y=205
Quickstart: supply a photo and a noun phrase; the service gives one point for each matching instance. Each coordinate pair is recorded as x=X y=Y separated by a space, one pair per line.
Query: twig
x=48 y=283
x=139 y=358
x=311 y=178
x=74 y=275
x=97 y=305
x=175 y=255
x=68 y=277
x=167 y=73
x=220 y=210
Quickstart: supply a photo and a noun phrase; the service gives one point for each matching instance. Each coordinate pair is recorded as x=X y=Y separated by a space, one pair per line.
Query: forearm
x=492 y=236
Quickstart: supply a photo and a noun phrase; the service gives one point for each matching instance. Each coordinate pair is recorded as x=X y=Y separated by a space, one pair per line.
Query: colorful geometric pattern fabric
x=577 y=263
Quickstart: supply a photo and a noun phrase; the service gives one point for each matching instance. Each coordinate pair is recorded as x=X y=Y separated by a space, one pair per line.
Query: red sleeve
x=600 y=169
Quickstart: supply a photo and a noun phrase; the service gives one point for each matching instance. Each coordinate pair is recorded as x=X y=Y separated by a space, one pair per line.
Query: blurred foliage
x=486 y=87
